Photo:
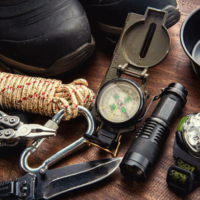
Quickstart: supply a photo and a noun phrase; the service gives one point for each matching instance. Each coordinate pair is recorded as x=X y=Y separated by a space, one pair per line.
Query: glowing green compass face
x=191 y=133
x=119 y=101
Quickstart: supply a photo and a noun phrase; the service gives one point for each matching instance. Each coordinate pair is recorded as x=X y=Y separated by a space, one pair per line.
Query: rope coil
x=44 y=96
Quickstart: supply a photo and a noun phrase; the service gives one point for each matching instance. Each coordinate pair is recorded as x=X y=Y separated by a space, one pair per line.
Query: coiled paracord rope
x=44 y=96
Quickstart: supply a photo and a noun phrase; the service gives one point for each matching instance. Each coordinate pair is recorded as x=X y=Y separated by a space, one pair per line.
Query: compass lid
x=145 y=41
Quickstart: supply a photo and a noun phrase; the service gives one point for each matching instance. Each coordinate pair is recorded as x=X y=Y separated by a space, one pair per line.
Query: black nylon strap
x=182 y=178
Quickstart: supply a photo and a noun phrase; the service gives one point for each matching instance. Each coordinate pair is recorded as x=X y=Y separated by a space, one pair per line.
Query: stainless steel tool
x=12 y=130
x=58 y=181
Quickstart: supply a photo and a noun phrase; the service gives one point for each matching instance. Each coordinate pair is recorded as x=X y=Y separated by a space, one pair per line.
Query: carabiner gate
x=63 y=152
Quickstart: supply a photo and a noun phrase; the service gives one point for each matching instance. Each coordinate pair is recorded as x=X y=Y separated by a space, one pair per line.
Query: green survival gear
x=185 y=176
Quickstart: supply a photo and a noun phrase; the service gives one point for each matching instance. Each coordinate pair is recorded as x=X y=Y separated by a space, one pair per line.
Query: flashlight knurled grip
x=147 y=145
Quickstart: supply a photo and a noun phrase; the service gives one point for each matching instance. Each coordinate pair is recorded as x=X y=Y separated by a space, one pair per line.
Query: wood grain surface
x=175 y=68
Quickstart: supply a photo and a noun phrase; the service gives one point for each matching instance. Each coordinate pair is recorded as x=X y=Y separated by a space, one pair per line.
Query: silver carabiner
x=63 y=152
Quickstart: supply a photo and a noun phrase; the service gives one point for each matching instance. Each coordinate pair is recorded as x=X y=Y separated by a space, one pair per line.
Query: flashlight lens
x=191 y=134
x=134 y=170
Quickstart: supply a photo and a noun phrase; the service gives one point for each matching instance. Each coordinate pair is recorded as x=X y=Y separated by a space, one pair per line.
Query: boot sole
x=62 y=65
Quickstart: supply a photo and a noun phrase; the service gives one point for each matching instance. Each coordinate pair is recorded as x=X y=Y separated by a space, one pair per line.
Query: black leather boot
x=45 y=37
x=108 y=16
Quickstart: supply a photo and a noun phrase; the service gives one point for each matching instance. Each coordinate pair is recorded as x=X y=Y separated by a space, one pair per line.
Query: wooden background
x=175 y=68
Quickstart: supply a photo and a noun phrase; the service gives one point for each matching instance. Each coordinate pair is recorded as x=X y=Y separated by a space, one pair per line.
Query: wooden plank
x=175 y=68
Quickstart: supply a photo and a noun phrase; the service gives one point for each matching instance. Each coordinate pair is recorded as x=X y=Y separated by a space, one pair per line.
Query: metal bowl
x=190 y=39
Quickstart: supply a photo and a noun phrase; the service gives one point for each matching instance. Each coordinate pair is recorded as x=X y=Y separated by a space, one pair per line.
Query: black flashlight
x=145 y=148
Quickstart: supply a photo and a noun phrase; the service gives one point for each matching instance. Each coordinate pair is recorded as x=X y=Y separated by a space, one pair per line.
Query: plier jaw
x=34 y=132
x=13 y=130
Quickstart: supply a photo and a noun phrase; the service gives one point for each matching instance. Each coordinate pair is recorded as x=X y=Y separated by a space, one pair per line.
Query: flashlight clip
x=155 y=98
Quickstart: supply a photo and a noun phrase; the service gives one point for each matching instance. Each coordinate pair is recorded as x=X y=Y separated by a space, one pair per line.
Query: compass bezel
x=133 y=120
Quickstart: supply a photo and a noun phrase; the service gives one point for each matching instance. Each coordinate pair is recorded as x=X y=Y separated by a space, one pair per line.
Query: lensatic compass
x=121 y=102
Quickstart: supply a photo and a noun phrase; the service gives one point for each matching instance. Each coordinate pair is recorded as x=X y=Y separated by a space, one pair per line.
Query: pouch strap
x=183 y=177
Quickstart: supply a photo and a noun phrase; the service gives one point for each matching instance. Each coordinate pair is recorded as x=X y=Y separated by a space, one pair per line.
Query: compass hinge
x=140 y=74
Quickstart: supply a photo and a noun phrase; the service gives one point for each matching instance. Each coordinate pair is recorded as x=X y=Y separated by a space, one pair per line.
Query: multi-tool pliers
x=12 y=130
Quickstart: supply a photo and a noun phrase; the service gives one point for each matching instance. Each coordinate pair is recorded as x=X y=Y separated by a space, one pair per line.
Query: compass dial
x=118 y=101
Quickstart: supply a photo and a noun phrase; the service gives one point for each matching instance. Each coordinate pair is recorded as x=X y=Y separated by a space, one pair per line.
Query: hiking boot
x=45 y=37
x=109 y=15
